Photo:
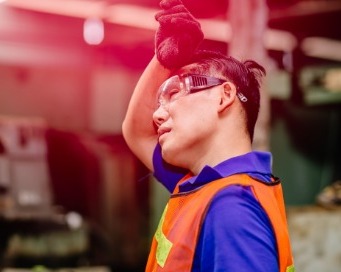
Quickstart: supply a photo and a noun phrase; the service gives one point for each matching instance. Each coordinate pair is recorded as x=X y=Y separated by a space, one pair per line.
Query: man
x=190 y=121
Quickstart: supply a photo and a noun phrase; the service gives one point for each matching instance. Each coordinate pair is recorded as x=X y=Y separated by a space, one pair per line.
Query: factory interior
x=72 y=195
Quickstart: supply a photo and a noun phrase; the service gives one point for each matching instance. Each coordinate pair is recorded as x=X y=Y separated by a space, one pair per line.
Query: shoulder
x=236 y=207
x=237 y=232
x=232 y=200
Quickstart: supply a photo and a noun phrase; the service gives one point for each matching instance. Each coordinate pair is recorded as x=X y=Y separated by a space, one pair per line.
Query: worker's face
x=185 y=124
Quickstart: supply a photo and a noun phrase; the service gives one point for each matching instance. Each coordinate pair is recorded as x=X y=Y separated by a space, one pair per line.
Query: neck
x=219 y=151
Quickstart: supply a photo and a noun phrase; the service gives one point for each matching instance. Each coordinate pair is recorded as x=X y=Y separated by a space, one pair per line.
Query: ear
x=227 y=95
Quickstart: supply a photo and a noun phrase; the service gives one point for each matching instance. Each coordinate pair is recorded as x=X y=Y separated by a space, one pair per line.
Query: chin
x=169 y=156
x=166 y=155
x=173 y=159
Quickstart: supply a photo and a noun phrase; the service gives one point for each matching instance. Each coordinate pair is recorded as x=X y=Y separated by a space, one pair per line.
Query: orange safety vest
x=174 y=242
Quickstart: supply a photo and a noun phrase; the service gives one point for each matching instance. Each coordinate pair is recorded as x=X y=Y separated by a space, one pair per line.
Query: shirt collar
x=256 y=164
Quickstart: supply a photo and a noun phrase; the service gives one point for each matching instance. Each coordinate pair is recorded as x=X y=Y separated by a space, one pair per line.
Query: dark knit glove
x=178 y=36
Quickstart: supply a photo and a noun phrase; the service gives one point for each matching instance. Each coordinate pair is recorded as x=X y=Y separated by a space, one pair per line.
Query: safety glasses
x=181 y=85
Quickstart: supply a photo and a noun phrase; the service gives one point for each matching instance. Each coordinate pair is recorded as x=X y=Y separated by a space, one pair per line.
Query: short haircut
x=244 y=75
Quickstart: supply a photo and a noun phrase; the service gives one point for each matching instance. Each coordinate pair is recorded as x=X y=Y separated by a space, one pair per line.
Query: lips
x=161 y=131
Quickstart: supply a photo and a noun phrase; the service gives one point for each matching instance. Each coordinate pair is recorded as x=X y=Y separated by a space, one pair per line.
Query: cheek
x=193 y=117
x=196 y=124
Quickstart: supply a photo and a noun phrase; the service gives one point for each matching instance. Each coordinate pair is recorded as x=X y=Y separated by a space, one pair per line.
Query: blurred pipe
x=306 y=8
x=217 y=30
x=132 y=16
x=322 y=48
x=279 y=40
x=141 y=17
x=73 y=8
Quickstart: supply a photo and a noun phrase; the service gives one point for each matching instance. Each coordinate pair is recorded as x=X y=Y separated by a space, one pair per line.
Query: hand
x=178 y=35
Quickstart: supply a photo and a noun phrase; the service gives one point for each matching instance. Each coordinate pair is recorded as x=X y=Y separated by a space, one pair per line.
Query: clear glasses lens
x=172 y=89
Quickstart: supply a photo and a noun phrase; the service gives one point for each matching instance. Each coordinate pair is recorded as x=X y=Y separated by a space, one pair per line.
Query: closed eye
x=173 y=93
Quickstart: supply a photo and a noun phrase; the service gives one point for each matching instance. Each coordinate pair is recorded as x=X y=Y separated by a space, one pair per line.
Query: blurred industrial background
x=72 y=194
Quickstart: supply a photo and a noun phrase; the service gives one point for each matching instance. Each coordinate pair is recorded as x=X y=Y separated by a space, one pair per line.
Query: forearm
x=138 y=129
x=173 y=48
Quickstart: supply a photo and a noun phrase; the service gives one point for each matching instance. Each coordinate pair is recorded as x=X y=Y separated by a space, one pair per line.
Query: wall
x=111 y=88
x=60 y=95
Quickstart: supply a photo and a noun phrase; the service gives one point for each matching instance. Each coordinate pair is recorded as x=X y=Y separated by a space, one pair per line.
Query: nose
x=160 y=115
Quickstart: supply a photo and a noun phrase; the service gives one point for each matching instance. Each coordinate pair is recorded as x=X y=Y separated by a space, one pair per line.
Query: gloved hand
x=178 y=35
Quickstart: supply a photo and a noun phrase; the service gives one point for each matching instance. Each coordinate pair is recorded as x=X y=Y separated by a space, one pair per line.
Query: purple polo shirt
x=236 y=234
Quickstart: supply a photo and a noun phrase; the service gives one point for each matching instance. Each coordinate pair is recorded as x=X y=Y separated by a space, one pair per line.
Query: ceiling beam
x=305 y=8
x=143 y=18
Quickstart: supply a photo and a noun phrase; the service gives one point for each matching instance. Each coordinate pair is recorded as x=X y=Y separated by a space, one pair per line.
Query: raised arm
x=178 y=36
x=138 y=129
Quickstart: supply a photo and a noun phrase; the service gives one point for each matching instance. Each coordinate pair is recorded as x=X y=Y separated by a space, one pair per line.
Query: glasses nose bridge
x=162 y=102
x=160 y=115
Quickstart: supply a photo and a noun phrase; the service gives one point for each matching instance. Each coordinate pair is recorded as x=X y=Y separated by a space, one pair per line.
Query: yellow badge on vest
x=163 y=244
x=290 y=268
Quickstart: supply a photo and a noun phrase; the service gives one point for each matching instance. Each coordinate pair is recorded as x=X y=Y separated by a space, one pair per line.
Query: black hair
x=246 y=76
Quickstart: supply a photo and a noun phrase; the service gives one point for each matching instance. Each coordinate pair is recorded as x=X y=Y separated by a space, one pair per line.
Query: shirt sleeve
x=167 y=174
x=236 y=235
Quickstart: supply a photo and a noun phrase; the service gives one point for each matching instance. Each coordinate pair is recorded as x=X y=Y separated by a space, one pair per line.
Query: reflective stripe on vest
x=174 y=243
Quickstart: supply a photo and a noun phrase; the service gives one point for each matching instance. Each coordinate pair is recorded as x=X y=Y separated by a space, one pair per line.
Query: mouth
x=162 y=131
